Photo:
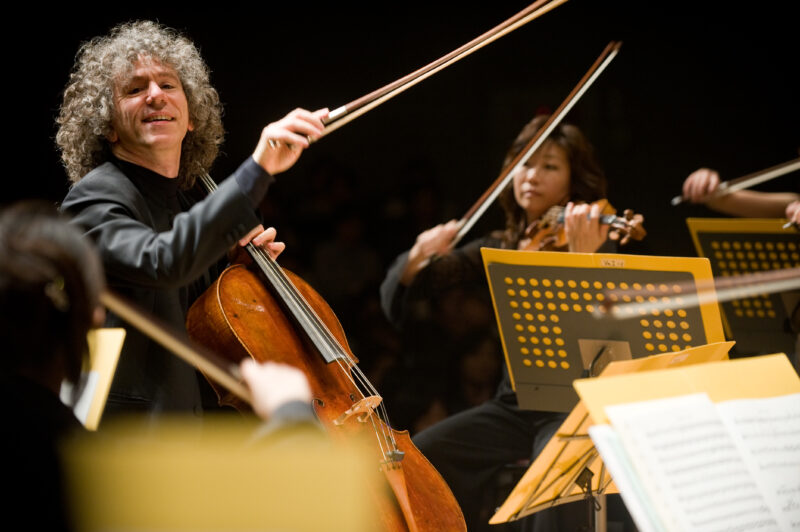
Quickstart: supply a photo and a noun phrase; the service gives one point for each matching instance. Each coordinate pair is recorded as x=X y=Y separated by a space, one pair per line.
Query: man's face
x=151 y=114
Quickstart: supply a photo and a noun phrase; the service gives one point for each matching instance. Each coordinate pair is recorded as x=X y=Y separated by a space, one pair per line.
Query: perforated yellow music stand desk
x=553 y=477
x=546 y=304
x=737 y=246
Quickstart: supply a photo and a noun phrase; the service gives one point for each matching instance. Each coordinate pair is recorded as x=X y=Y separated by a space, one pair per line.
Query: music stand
x=105 y=346
x=743 y=246
x=547 y=303
x=569 y=468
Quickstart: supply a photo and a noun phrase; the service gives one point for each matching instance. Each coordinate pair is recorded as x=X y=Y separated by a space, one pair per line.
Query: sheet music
x=691 y=465
x=768 y=431
x=634 y=495
x=83 y=402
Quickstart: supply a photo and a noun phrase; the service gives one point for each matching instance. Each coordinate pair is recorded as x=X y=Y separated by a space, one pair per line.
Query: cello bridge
x=363 y=409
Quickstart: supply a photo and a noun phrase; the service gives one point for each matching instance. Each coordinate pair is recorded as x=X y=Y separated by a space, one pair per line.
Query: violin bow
x=348 y=112
x=213 y=366
x=750 y=180
x=695 y=294
x=507 y=174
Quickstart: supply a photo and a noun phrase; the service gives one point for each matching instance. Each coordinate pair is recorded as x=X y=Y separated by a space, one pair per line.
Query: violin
x=262 y=311
x=551 y=236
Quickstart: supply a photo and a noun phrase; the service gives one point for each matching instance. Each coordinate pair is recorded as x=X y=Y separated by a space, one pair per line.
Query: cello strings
x=333 y=344
x=290 y=293
x=325 y=334
x=313 y=324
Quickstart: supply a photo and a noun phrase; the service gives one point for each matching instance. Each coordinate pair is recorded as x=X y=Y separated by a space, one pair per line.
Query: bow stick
x=750 y=180
x=215 y=368
x=695 y=294
x=538 y=139
x=346 y=113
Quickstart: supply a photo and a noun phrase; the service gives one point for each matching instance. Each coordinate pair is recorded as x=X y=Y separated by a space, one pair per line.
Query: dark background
x=695 y=84
x=707 y=85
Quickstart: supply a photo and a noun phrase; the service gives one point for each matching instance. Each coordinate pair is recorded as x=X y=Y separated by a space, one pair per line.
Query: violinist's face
x=151 y=114
x=544 y=181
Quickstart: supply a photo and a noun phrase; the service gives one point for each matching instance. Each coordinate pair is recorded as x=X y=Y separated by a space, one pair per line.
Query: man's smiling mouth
x=158 y=118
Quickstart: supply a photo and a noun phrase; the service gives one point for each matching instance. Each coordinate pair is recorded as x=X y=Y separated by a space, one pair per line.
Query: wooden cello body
x=238 y=316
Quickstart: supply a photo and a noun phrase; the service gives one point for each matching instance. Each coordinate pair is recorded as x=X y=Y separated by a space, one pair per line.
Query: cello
x=262 y=311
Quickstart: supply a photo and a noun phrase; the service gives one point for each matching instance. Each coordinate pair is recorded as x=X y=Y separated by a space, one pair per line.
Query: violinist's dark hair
x=587 y=181
x=50 y=283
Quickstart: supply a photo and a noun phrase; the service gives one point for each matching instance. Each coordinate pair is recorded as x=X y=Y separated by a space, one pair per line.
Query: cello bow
x=214 y=367
x=348 y=112
x=507 y=174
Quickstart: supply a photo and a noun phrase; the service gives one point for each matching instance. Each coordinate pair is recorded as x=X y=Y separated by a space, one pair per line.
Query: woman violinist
x=471 y=447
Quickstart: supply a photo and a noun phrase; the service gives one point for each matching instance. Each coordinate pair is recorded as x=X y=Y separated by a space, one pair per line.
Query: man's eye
x=134 y=90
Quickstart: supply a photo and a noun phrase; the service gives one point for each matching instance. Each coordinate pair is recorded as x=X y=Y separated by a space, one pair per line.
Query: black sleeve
x=115 y=216
x=462 y=265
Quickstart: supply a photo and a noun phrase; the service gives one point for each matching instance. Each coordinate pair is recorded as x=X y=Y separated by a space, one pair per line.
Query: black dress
x=472 y=448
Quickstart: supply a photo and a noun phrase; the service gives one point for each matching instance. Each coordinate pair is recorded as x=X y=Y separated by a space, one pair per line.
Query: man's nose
x=155 y=95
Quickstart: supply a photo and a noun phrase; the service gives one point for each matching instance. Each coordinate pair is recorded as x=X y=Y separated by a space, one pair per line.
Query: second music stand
x=738 y=246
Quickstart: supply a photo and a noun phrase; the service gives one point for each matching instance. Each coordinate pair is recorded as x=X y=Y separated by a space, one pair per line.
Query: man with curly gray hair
x=139 y=123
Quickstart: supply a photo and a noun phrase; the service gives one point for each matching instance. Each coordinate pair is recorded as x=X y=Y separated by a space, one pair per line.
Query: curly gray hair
x=86 y=111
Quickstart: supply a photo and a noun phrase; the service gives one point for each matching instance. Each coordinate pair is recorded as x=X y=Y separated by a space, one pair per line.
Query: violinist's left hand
x=265 y=239
x=582 y=227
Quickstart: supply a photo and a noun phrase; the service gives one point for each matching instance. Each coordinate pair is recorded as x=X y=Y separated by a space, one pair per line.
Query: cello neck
x=293 y=301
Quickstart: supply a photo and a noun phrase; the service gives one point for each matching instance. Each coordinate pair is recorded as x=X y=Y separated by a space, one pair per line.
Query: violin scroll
x=627 y=226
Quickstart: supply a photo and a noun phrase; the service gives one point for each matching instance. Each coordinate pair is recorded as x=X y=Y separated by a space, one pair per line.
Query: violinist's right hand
x=433 y=242
x=701 y=185
x=793 y=212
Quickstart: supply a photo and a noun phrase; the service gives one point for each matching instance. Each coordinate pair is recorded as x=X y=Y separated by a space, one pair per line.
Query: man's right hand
x=282 y=142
